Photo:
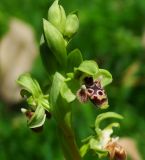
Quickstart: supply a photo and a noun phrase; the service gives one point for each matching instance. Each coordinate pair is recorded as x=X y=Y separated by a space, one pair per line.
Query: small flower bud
x=56 y=16
x=55 y=42
x=72 y=25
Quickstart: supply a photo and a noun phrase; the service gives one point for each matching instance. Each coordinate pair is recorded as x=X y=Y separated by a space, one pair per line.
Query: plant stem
x=68 y=142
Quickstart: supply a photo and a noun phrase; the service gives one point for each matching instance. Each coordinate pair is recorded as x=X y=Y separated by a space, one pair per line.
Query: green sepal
x=38 y=118
x=104 y=76
x=57 y=16
x=74 y=59
x=29 y=84
x=86 y=68
x=55 y=42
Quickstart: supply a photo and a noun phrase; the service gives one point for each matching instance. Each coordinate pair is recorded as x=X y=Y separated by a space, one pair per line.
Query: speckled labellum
x=94 y=91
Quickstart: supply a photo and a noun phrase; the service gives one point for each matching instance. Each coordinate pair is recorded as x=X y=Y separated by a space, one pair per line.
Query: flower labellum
x=94 y=91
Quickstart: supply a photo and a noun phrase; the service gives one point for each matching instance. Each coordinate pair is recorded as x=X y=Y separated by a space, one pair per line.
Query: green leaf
x=38 y=119
x=87 y=67
x=29 y=84
x=66 y=93
x=55 y=42
x=74 y=59
x=105 y=77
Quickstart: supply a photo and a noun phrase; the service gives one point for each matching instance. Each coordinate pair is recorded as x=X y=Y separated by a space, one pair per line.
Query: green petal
x=105 y=77
x=106 y=115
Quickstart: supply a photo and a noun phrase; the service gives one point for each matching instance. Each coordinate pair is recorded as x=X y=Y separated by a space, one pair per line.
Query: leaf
x=55 y=42
x=74 y=59
x=105 y=77
x=29 y=84
x=38 y=118
x=87 y=67
x=66 y=93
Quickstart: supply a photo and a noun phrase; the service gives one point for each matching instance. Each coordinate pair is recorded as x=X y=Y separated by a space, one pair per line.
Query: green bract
x=37 y=101
x=74 y=59
x=59 y=86
x=55 y=42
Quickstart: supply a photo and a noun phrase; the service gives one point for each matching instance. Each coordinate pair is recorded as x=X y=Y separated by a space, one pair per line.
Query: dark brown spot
x=88 y=81
x=91 y=91
x=100 y=92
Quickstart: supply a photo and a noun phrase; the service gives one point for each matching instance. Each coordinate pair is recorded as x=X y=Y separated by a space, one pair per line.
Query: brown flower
x=116 y=151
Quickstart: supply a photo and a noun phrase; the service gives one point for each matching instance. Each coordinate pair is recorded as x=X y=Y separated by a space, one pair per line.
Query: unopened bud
x=56 y=16
x=55 y=42
x=72 y=25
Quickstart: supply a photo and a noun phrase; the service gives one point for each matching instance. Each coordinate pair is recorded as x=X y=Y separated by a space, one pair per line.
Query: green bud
x=57 y=16
x=72 y=25
x=55 y=42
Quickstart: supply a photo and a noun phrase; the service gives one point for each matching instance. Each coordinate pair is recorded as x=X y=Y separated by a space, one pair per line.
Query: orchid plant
x=66 y=71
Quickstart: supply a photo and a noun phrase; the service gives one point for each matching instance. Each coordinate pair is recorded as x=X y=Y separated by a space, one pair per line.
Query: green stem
x=68 y=142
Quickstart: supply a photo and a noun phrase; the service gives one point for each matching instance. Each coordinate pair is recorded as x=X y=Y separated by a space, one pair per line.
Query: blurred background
x=112 y=33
